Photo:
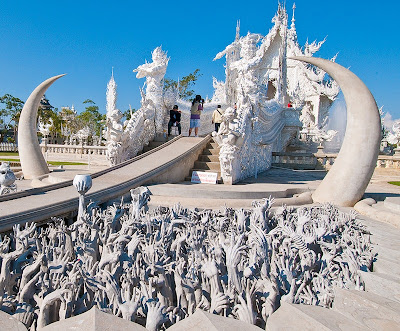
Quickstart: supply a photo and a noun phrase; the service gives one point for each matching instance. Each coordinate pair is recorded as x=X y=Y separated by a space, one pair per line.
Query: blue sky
x=84 y=39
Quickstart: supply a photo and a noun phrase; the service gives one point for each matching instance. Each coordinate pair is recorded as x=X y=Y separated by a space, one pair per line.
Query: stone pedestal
x=320 y=151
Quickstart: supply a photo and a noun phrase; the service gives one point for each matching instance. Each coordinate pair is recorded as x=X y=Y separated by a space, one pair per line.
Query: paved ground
x=278 y=183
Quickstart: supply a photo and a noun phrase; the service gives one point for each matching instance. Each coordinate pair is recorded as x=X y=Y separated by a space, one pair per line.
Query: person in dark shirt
x=174 y=119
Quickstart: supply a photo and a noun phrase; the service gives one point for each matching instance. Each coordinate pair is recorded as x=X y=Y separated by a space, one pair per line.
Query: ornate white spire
x=237 y=30
x=111 y=94
x=292 y=26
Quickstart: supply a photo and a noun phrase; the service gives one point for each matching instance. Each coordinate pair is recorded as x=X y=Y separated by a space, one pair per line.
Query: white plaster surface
x=32 y=161
x=349 y=176
x=95 y=320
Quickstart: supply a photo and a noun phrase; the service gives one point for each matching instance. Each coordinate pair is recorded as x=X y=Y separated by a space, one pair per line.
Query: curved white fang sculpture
x=349 y=176
x=32 y=161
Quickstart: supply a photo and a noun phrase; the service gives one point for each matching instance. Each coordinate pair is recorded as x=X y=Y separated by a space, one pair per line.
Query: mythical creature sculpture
x=125 y=140
x=154 y=73
x=7 y=179
x=249 y=69
x=44 y=128
x=394 y=137
x=156 y=267
x=115 y=136
x=322 y=135
x=229 y=140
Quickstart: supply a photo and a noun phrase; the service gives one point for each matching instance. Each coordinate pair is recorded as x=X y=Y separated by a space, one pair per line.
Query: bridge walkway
x=170 y=162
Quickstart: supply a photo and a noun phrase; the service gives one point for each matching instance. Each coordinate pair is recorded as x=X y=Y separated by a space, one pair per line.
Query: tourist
x=217 y=117
x=195 y=111
x=174 y=119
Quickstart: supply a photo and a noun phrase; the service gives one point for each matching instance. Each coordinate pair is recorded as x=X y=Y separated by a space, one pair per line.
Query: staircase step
x=385 y=266
x=210 y=152
x=387 y=253
x=146 y=149
x=294 y=166
x=160 y=138
x=212 y=145
x=155 y=144
x=209 y=158
x=369 y=309
x=382 y=284
x=387 y=240
x=210 y=191
x=303 y=317
x=207 y=165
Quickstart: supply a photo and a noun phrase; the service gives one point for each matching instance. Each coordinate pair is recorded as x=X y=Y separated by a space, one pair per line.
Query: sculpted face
x=158 y=55
x=229 y=114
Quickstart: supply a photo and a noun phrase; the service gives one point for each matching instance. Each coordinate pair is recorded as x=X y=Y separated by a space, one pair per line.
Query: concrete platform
x=283 y=184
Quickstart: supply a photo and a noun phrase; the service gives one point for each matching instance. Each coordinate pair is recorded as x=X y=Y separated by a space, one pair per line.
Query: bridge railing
x=325 y=160
x=74 y=149
x=8 y=147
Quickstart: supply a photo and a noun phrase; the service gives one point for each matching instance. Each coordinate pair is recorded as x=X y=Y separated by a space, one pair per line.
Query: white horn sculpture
x=346 y=182
x=33 y=163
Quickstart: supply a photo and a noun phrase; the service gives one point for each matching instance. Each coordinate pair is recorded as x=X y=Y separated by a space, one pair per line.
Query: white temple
x=268 y=99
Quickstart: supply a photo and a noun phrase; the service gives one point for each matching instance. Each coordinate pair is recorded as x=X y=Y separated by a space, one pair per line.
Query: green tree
x=11 y=109
x=69 y=121
x=51 y=115
x=127 y=113
x=91 y=117
x=185 y=84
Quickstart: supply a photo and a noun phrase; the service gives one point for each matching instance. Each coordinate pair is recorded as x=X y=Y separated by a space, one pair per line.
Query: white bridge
x=170 y=162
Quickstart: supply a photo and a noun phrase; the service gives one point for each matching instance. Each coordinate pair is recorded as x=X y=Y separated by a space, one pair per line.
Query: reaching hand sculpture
x=158 y=266
x=82 y=183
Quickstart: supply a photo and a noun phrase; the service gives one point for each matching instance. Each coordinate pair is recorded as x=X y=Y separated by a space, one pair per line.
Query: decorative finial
x=293 y=20
x=237 y=30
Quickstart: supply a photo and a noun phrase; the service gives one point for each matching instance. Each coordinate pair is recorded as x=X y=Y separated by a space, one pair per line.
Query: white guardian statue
x=125 y=140
x=154 y=73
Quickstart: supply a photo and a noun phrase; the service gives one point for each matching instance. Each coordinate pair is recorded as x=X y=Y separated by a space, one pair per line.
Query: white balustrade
x=8 y=147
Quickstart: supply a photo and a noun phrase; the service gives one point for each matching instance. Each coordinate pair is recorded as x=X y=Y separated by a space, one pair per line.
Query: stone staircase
x=158 y=141
x=208 y=161
x=376 y=308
